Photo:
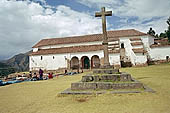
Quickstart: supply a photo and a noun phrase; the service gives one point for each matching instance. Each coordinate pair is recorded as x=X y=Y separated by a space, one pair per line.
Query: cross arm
x=107 y=13
x=98 y=14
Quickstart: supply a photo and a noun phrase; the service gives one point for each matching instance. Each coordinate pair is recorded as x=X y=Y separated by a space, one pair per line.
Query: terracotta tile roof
x=135 y=39
x=139 y=50
x=115 y=44
x=89 y=38
x=73 y=49
x=156 y=45
x=136 y=43
x=114 y=51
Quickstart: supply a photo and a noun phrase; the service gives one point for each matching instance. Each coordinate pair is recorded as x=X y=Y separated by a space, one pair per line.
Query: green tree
x=162 y=35
x=151 y=32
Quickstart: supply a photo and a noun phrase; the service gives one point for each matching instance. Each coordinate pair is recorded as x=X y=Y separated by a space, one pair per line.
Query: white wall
x=47 y=61
x=128 y=49
x=159 y=53
x=59 y=60
x=114 y=59
x=147 y=41
x=140 y=58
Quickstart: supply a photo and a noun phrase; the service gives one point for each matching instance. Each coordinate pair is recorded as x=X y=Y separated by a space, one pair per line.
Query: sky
x=25 y=22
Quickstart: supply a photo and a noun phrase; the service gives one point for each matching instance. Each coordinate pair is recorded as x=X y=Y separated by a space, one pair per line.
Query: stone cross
x=103 y=14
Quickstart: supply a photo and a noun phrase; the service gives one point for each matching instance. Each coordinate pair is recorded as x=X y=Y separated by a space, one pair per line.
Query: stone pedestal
x=106 y=79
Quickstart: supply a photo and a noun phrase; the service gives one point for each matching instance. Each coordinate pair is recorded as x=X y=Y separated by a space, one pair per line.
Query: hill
x=17 y=63
x=6 y=69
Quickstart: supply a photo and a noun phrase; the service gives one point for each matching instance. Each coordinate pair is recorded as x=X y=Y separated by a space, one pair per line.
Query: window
x=122 y=45
x=167 y=58
x=41 y=57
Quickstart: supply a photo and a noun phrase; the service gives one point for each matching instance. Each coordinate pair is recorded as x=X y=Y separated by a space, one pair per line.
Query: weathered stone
x=106 y=71
x=125 y=77
x=108 y=77
x=127 y=86
x=104 y=85
x=96 y=78
x=87 y=78
x=83 y=86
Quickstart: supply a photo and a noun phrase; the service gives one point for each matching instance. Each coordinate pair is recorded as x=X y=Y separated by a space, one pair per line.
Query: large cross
x=103 y=14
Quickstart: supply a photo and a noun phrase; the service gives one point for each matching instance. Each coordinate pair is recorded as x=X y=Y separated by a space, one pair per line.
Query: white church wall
x=140 y=59
x=70 y=45
x=48 y=62
x=55 y=61
x=128 y=49
x=114 y=59
x=159 y=53
x=147 y=41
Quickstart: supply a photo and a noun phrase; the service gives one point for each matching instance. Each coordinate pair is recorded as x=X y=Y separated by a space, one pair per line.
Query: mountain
x=17 y=63
x=20 y=62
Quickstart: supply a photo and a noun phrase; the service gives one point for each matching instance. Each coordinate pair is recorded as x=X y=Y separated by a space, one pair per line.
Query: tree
x=162 y=35
x=168 y=31
x=151 y=32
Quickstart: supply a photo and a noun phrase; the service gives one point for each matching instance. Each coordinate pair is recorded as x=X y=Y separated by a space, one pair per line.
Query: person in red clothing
x=50 y=75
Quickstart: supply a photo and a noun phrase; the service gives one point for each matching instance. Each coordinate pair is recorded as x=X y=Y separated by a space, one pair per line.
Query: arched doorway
x=95 y=61
x=74 y=63
x=85 y=62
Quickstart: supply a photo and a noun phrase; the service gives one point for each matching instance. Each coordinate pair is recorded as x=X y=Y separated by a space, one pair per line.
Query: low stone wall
x=105 y=71
x=104 y=86
x=107 y=78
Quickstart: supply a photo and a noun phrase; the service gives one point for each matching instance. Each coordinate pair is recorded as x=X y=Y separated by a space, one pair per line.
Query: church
x=125 y=48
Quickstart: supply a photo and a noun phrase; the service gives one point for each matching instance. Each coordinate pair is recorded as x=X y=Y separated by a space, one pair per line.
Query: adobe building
x=126 y=48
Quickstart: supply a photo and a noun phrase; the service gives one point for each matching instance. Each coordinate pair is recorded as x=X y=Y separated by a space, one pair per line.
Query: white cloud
x=24 y=23
x=143 y=10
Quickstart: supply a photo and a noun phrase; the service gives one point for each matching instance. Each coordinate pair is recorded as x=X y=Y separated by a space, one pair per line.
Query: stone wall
x=107 y=78
x=104 y=85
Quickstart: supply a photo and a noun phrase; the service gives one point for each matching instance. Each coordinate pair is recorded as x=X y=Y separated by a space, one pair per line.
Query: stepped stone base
x=104 y=86
x=106 y=80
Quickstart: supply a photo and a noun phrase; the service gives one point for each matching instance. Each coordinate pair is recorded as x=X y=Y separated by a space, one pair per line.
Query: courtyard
x=44 y=97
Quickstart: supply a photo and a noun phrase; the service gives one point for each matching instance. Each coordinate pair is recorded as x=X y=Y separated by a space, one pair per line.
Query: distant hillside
x=20 y=62
x=17 y=63
x=5 y=69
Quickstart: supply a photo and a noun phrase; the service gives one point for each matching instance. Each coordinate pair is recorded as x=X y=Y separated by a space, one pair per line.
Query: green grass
x=43 y=96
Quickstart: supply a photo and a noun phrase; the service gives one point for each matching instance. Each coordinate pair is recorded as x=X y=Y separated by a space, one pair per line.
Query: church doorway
x=122 y=46
x=85 y=62
x=74 y=63
x=95 y=62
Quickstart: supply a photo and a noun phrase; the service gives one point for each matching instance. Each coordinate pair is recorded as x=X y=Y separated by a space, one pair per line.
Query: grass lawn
x=43 y=96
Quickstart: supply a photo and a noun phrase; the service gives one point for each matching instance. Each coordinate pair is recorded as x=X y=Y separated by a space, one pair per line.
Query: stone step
x=105 y=86
x=105 y=71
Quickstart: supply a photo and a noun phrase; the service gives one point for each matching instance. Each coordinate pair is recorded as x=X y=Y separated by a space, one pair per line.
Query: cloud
x=144 y=12
x=24 y=23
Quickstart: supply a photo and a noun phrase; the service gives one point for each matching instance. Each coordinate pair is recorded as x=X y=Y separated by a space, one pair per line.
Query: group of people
x=35 y=76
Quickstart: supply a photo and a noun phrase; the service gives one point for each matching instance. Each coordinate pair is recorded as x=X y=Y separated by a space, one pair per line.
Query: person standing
x=41 y=74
